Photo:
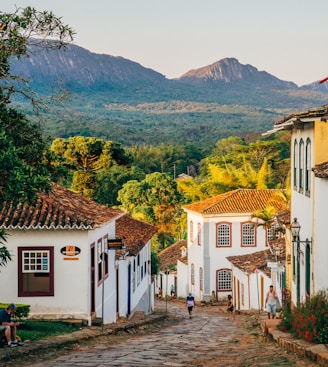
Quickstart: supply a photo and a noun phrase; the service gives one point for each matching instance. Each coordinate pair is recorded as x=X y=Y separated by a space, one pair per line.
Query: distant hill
x=119 y=99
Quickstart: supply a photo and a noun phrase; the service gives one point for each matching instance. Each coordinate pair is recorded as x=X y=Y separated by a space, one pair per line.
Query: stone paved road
x=208 y=339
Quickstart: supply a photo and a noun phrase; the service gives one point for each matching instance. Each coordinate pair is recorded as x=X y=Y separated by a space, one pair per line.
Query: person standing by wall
x=271 y=302
x=190 y=304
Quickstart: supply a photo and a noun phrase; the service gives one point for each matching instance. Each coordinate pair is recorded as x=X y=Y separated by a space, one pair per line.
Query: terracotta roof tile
x=248 y=263
x=172 y=254
x=314 y=113
x=321 y=170
x=239 y=201
x=134 y=233
x=59 y=209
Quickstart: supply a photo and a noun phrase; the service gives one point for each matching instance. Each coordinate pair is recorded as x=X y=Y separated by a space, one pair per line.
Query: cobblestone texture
x=208 y=339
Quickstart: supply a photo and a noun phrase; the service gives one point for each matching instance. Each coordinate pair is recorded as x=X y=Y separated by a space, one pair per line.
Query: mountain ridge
x=119 y=99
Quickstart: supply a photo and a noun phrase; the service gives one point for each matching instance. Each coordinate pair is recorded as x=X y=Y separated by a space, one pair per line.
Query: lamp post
x=307 y=253
x=295 y=228
x=276 y=253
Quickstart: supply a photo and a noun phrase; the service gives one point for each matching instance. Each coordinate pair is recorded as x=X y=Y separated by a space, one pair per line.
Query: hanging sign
x=70 y=250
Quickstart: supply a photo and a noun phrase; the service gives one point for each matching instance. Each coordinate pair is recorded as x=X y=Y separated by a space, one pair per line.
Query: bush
x=22 y=311
x=309 y=320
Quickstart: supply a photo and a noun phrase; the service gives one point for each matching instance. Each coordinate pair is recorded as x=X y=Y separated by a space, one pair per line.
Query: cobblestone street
x=208 y=339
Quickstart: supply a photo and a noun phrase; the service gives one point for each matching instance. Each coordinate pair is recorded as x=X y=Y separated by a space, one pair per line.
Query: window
x=242 y=294
x=199 y=233
x=295 y=162
x=35 y=271
x=248 y=237
x=223 y=280
x=102 y=262
x=192 y=274
x=191 y=231
x=308 y=167
x=201 y=279
x=301 y=166
x=138 y=269
x=223 y=234
x=273 y=233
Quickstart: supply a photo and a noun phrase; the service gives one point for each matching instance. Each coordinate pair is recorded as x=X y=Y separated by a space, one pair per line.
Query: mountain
x=229 y=70
x=120 y=100
x=77 y=66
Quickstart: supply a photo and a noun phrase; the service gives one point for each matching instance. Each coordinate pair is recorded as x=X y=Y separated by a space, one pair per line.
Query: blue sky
x=286 y=38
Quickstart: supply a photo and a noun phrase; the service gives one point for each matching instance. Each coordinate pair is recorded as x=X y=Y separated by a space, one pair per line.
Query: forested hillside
x=117 y=99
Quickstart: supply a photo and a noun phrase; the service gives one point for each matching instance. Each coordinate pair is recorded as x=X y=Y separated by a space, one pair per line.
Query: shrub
x=22 y=311
x=309 y=320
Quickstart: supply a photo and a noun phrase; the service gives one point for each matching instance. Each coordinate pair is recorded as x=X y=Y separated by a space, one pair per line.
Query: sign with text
x=70 y=250
x=116 y=243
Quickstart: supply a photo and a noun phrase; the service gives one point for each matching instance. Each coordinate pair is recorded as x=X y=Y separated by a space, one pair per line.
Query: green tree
x=85 y=156
x=156 y=200
x=24 y=31
x=22 y=146
x=109 y=182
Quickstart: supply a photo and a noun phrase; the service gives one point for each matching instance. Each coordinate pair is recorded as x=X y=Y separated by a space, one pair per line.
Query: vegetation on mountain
x=117 y=99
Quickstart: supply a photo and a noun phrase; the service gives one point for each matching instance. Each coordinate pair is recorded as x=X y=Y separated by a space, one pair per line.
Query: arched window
x=248 y=234
x=199 y=233
x=301 y=166
x=223 y=234
x=191 y=231
x=295 y=164
x=192 y=274
x=308 y=167
x=201 y=279
x=223 y=280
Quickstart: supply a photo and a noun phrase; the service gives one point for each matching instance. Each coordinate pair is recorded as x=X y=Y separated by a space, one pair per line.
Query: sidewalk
x=315 y=352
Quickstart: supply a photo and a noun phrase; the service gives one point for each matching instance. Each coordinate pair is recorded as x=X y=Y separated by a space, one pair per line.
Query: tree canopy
x=22 y=147
x=22 y=32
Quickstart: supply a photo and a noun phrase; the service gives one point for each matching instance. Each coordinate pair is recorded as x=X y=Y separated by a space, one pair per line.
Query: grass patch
x=36 y=330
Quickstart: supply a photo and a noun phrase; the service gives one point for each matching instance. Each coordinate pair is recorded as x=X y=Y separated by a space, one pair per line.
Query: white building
x=173 y=270
x=220 y=227
x=61 y=265
x=308 y=251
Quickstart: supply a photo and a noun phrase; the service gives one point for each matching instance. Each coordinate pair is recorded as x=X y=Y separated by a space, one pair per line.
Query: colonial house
x=307 y=248
x=225 y=226
x=173 y=270
x=61 y=265
x=136 y=291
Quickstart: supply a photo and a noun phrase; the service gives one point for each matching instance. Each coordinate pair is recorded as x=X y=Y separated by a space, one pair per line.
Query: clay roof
x=248 y=263
x=311 y=114
x=60 y=209
x=134 y=233
x=321 y=170
x=172 y=254
x=239 y=201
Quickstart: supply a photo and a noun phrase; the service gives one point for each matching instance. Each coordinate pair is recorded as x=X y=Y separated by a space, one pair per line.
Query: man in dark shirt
x=9 y=327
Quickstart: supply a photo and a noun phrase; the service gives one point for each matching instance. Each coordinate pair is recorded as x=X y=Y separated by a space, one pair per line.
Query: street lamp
x=276 y=251
x=295 y=229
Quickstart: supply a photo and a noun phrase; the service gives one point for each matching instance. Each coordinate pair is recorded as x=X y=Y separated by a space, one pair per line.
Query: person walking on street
x=190 y=304
x=172 y=290
x=271 y=302
x=230 y=307
x=8 y=327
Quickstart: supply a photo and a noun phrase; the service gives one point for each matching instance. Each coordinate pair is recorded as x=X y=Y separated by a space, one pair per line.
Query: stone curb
x=314 y=352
